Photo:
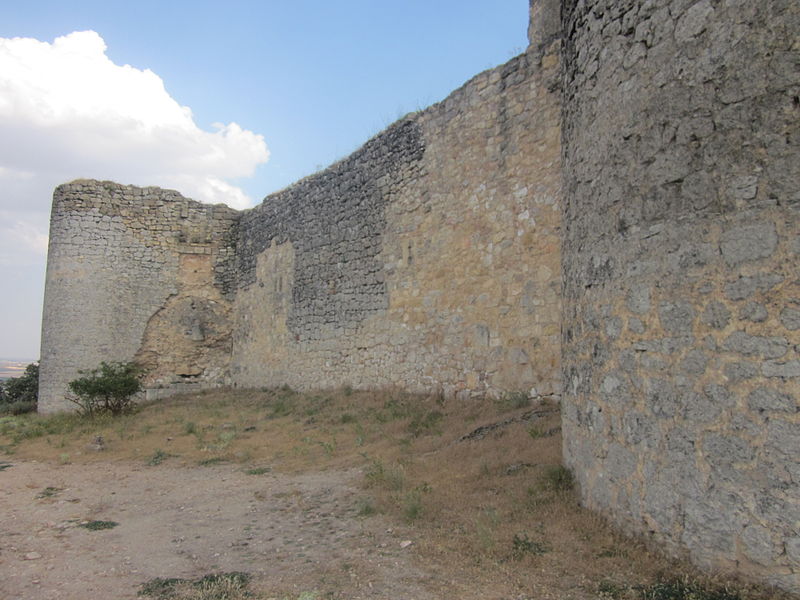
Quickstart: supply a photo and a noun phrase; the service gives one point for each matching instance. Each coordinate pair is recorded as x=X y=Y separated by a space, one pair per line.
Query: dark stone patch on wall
x=334 y=220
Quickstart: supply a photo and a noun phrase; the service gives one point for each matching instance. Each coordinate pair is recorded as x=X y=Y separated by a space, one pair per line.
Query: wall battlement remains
x=611 y=218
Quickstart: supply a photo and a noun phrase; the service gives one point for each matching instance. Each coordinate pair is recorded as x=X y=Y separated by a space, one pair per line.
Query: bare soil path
x=293 y=533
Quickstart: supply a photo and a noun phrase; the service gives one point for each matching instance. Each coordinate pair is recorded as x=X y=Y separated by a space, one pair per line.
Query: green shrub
x=157 y=458
x=109 y=388
x=558 y=478
x=18 y=395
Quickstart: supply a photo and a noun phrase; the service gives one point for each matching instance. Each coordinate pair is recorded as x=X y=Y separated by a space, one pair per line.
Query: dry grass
x=496 y=508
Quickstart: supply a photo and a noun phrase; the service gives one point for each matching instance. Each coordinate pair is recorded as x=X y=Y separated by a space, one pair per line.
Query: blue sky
x=304 y=82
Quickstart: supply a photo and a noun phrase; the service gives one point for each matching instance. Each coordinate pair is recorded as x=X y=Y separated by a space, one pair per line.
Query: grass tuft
x=99 y=525
x=157 y=458
x=218 y=586
x=49 y=492
x=522 y=545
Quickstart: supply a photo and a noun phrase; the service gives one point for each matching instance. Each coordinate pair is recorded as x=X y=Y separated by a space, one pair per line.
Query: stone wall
x=426 y=260
x=135 y=273
x=681 y=294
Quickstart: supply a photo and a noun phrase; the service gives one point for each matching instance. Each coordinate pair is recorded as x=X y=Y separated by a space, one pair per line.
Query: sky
x=223 y=101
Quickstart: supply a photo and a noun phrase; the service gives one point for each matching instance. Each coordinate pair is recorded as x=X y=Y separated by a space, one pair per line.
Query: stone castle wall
x=658 y=285
x=681 y=244
x=427 y=260
x=135 y=273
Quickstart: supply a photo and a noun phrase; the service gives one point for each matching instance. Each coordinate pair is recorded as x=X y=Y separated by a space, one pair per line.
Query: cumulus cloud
x=71 y=110
x=67 y=112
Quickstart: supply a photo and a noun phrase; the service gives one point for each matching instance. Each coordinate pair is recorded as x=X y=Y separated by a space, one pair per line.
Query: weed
x=222 y=586
x=225 y=438
x=49 y=492
x=512 y=401
x=63 y=459
x=99 y=525
x=558 y=478
x=5 y=465
x=365 y=508
x=412 y=502
x=190 y=428
x=378 y=475
x=157 y=458
x=347 y=418
x=522 y=545
x=214 y=460
x=281 y=408
x=412 y=506
x=426 y=422
x=611 y=590
x=328 y=447
x=258 y=470
x=685 y=590
x=612 y=553
x=535 y=433
x=361 y=435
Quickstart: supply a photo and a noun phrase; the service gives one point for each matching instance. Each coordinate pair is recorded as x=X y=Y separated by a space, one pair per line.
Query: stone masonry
x=136 y=273
x=610 y=218
x=680 y=271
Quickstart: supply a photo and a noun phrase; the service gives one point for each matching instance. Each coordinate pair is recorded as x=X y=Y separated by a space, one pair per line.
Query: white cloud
x=71 y=112
x=68 y=112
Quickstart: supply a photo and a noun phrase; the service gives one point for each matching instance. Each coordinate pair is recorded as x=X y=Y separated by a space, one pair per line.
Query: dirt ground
x=293 y=533
x=332 y=496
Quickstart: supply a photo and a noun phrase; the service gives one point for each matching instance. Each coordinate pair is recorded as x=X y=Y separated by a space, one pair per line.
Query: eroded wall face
x=429 y=259
x=681 y=290
x=135 y=273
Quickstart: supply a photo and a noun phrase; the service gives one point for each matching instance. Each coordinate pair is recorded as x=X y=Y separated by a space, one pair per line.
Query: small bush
x=157 y=458
x=18 y=395
x=109 y=388
x=558 y=479
x=523 y=545
x=19 y=407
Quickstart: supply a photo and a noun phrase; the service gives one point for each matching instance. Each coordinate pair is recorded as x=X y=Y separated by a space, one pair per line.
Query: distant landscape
x=13 y=367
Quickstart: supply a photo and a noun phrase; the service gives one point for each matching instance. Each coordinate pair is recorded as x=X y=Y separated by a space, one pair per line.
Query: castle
x=611 y=218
